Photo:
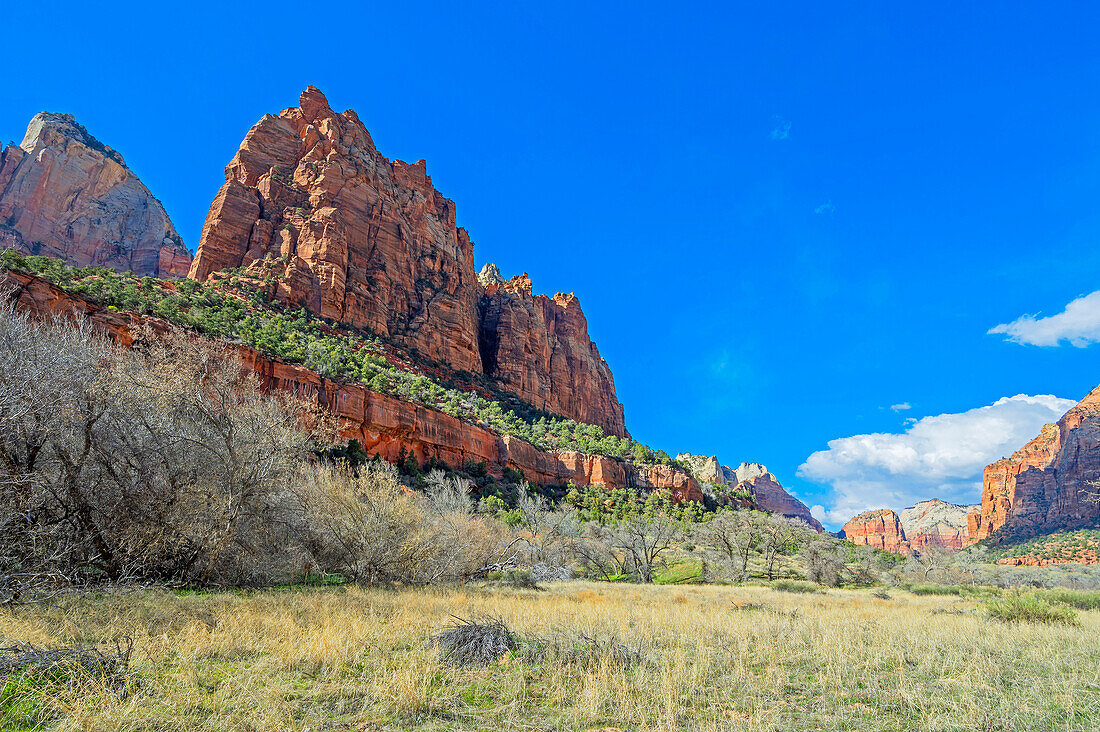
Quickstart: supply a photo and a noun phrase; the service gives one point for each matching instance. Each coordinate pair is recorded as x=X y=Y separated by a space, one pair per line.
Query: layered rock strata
x=310 y=204
x=538 y=348
x=65 y=194
x=1046 y=485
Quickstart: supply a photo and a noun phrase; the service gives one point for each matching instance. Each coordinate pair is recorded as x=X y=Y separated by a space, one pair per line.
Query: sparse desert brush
x=935 y=590
x=1080 y=599
x=1030 y=608
x=797 y=586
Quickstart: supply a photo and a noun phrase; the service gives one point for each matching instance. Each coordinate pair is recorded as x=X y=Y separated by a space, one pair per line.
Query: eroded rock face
x=539 y=349
x=65 y=194
x=880 y=529
x=357 y=238
x=936 y=524
x=754 y=478
x=1044 y=486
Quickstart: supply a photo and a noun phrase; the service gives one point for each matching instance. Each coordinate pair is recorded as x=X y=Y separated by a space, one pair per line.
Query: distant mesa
x=65 y=194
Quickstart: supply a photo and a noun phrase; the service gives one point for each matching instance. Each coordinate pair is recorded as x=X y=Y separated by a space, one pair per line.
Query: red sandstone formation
x=357 y=238
x=880 y=529
x=65 y=194
x=383 y=424
x=936 y=523
x=1045 y=485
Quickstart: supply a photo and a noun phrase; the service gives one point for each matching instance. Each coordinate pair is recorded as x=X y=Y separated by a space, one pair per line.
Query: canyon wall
x=1045 y=485
x=65 y=194
x=538 y=348
x=365 y=241
x=384 y=424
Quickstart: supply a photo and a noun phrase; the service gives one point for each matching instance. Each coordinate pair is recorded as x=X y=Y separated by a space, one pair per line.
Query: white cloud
x=941 y=456
x=818 y=512
x=781 y=128
x=901 y=407
x=825 y=208
x=1079 y=324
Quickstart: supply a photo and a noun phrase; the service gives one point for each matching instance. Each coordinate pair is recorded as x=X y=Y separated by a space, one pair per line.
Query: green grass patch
x=935 y=590
x=681 y=573
x=1030 y=608
x=796 y=586
x=1080 y=599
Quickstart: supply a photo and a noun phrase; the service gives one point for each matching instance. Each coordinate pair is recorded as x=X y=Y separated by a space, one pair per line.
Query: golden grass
x=716 y=658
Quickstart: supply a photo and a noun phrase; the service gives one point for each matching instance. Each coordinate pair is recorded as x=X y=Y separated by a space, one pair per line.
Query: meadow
x=703 y=657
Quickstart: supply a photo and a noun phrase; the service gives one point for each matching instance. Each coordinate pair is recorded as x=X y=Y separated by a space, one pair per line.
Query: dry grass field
x=713 y=658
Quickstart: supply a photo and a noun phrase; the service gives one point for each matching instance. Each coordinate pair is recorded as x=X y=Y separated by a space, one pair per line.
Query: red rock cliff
x=538 y=348
x=360 y=239
x=880 y=529
x=1044 y=486
x=65 y=194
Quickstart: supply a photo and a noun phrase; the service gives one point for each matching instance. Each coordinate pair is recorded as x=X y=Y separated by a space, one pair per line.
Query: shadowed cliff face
x=65 y=194
x=357 y=238
x=1045 y=485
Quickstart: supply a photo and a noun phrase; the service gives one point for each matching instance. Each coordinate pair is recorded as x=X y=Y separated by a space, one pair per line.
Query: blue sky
x=782 y=219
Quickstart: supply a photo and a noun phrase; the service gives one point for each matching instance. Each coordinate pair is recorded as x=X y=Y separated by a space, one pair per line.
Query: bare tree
x=780 y=536
x=825 y=562
x=644 y=538
x=734 y=535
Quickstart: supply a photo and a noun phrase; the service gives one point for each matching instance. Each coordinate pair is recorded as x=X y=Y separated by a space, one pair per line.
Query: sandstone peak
x=879 y=528
x=314 y=104
x=748 y=471
x=520 y=285
x=65 y=194
x=936 y=523
x=490 y=275
x=52 y=128
x=371 y=243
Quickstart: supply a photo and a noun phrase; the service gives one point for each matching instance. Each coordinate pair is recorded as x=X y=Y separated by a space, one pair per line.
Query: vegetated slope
x=1062 y=547
x=66 y=194
x=370 y=242
x=390 y=402
x=1046 y=485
